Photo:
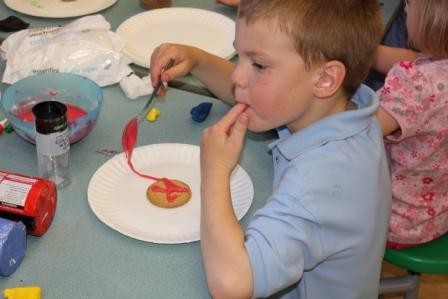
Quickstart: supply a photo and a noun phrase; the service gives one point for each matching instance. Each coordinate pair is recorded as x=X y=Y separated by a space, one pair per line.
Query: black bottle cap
x=50 y=117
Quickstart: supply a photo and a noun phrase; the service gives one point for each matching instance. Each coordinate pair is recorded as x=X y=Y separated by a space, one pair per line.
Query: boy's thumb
x=240 y=127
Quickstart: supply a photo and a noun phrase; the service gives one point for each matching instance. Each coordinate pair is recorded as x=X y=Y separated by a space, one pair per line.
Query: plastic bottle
x=52 y=142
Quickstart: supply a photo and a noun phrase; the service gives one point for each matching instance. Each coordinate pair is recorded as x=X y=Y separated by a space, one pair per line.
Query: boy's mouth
x=240 y=101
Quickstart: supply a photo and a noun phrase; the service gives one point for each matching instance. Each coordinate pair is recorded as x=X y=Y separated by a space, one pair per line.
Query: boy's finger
x=240 y=128
x=229 y=119
x=172 y=72
x=162 y=91
x=156 y=65
x=157 y=71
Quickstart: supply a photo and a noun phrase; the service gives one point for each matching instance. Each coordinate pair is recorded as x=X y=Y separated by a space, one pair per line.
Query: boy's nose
x=238 y=77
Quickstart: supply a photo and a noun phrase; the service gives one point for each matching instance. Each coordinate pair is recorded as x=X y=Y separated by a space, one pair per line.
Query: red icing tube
x=128 y=141
x=29 y=199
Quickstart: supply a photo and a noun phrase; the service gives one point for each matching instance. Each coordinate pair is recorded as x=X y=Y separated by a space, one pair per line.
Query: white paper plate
x=205 y=29
x=118 y=196
x=58 y=8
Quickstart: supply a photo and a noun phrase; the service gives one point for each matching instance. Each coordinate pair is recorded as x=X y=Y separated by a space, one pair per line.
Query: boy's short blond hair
x=431 y=27
x=345 y=30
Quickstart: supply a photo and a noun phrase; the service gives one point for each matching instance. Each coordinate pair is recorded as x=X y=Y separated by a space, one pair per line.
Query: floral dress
x=415 y=94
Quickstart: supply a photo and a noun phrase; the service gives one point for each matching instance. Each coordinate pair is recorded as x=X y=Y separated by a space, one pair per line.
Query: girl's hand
x=229 y=2
x=222 y=143
x=185 y=59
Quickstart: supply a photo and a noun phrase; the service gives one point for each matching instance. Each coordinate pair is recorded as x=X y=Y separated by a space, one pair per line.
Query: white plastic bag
x=85 y=47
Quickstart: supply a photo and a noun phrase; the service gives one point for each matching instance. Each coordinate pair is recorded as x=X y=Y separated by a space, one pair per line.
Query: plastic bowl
x=82 y=96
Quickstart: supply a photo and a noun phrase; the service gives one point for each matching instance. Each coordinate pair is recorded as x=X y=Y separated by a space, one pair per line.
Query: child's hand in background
x=229 y=2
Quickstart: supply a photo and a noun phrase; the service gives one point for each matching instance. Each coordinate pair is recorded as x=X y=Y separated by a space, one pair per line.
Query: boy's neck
x=323 y=108
x=350 y=106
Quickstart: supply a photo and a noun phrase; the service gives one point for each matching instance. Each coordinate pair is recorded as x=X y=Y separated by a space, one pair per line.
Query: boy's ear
x=329 y=79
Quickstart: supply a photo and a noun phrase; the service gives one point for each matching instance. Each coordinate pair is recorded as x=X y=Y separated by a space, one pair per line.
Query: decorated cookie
x=167 y=193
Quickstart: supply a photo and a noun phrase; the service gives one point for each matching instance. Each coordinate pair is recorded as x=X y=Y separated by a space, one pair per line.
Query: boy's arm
x=224 y=255
x=386 y=57
x=215 y=72
x=226 y=262
x=387 y=122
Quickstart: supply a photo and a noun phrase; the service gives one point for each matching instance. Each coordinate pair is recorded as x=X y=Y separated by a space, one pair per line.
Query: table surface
x=81 y=257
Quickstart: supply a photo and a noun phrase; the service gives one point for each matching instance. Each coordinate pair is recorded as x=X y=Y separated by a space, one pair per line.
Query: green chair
x=430 y=258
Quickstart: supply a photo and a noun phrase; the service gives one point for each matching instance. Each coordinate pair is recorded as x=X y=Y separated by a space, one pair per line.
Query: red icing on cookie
x=171 y=190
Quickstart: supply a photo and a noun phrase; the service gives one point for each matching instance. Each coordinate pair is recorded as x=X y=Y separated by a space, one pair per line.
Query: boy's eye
x=258 y=66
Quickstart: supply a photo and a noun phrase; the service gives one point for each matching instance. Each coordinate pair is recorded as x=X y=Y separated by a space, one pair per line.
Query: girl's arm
x=387 y=122
x=386 y=57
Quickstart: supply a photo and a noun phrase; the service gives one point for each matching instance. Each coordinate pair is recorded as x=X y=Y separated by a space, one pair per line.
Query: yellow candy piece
x=32 y=292
x=153 y=114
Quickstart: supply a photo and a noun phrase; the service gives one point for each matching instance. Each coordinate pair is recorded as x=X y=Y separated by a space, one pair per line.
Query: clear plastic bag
x=85 y=47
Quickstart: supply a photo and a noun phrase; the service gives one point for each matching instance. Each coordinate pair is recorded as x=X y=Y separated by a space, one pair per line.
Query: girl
x=413 y=115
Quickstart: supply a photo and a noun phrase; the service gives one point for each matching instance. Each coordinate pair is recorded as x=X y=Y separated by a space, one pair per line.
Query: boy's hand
x=222 y=143
x=185 y=58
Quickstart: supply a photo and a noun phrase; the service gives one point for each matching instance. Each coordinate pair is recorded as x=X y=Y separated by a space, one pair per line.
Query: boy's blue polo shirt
x=322 y=232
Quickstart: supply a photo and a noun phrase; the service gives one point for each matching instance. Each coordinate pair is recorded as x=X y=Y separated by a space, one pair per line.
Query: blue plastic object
x=12 y=245
x=201 y=111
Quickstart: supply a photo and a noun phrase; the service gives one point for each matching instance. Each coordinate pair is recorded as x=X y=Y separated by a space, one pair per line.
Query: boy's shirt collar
x=334 y=127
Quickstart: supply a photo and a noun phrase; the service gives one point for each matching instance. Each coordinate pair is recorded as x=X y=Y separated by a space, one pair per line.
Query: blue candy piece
x=201 y=111
x=12 y=245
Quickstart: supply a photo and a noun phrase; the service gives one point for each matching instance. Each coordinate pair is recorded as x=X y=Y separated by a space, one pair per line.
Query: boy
x=322 y=232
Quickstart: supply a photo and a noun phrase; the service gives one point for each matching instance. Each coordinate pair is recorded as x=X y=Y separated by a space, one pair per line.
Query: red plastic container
x=29 y=199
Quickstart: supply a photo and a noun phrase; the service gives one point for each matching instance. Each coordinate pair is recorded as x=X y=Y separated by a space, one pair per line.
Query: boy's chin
x=258 y=128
